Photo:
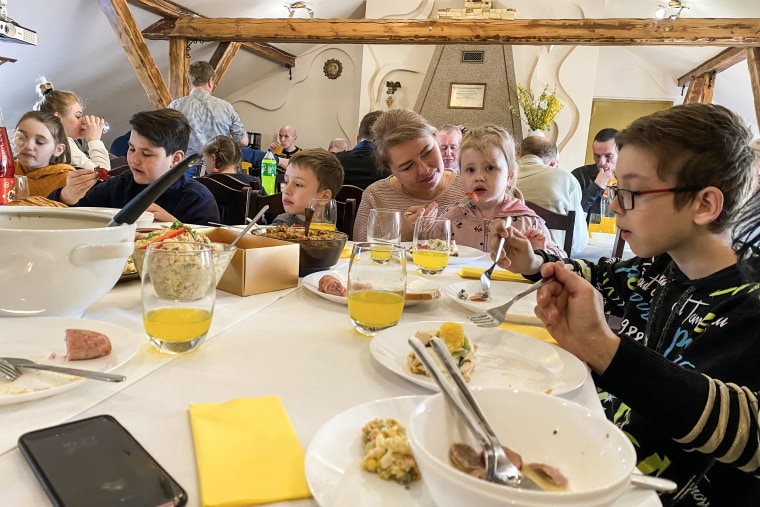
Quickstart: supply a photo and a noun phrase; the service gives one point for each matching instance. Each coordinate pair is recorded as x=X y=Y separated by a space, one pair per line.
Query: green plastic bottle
x=268 y=172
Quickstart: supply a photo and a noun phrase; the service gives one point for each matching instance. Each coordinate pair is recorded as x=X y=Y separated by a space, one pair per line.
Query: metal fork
x=485 y=278
x=8 y=371
x=495 y=316
x=18 y=363
x=499 y=468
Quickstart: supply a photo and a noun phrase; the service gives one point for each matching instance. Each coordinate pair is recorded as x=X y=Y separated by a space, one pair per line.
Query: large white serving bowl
x=58 y=261
x=595 y=456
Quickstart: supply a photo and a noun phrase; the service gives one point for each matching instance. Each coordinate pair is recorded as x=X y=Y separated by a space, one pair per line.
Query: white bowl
x=58 y=261
x=145 y=221
x=594 y=455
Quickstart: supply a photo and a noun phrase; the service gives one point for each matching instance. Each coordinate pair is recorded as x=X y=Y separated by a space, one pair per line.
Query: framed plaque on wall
x=467 y=96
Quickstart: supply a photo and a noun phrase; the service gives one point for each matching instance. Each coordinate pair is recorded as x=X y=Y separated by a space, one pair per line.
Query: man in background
x=595 y=177
x=337 y=145
x=208 y=115
x=285 y=146
x=449 y=138
x=542 y=182
x=359 y=163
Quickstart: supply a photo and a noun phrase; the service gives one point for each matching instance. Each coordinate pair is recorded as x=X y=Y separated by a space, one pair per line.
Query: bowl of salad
x=181 y=233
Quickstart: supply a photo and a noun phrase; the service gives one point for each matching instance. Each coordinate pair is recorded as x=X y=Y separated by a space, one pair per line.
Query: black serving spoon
x=134 y=208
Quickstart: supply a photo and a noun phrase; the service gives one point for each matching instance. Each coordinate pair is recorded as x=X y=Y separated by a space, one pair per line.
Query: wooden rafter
x=4 y=59
x=179 y=62
x=701 y=89
x=172 y=10
x=222 y=59
x=718 y=63
x=120 y=17
x=589 y=32
x=753 y=63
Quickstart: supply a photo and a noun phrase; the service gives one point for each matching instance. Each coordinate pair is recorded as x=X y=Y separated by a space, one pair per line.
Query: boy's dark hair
x=365 y=127
x=325 y=165
x=699 y=145
x=164 y=128
x=54 y=125
x=199 y=73
x=605 y=135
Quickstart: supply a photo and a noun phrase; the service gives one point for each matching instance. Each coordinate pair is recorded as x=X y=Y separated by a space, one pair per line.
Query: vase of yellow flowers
x=539 y=111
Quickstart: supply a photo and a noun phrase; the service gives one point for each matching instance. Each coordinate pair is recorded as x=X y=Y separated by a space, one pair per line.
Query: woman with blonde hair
x=405 y=146
x=67 y=106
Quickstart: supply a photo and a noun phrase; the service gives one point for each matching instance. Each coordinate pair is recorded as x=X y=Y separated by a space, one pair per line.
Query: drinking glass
x=376 y=291
x=21 y=188
x=384 y=226
x=430 y=247
x=325 y=214
x=178 y=290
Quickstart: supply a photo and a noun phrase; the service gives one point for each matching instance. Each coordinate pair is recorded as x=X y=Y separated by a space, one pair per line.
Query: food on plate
x=387 y=452
x=423 y=295
x=465 y=296
x=129 y=267
x=459 y=346
x=439 y=244
x=37 y=200
x=291 y=233
x=86 y=344
x=102 y=173
x=468 y=460
x=331 y=285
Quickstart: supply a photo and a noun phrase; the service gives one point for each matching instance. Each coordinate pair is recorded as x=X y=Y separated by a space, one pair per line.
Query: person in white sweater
x=67 y=106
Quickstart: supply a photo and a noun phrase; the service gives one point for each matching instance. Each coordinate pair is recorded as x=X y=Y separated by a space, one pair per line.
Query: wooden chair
x=233 y=203
x=557 y=221
x=350 y=192
x=346 y=215
x=274 y=201
x=231 y=181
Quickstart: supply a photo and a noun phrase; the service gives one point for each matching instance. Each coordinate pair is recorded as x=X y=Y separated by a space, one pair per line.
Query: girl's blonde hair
x=53 y=101
x=480 y=138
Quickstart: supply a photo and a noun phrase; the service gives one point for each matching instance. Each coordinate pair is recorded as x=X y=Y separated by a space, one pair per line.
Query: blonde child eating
x=488 y=168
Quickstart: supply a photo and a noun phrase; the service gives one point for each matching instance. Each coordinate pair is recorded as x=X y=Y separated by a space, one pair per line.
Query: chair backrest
x=232 y=202
x=557 y=221
x=231 y=181
x=350 y=192
x=259 y=201
x=346 y=216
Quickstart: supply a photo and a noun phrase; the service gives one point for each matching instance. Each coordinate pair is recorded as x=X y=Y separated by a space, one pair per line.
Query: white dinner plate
x=413 y=283
x=333 y=460
x=501 y=291
x=503 y=359
x=38 y=338
x=466 y=255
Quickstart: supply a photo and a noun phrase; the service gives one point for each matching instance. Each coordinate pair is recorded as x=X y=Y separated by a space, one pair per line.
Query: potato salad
x=387 y=452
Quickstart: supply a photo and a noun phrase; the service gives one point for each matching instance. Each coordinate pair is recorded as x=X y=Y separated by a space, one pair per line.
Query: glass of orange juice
x=430 y=247
x=178 y=292
x=376 y=291
x=325 y=214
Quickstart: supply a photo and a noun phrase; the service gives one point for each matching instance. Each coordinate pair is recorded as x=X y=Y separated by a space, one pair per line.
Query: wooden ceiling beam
x=718 y=63
x=124 y=26
x=222 y=59
x=753 y=63
x=179 y=63
x=726 y=32
x=172 y=10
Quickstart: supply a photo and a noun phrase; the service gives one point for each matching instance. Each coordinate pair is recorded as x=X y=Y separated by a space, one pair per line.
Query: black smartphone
x=96 y=462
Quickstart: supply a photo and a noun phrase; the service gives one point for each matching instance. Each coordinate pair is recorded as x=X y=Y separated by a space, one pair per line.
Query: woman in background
x=42 y=152
x=68 y=107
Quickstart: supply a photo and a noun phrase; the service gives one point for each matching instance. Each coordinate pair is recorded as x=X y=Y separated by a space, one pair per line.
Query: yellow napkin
x=534 y=331
x=346 y=253
x=247 y=453
x=498 y=274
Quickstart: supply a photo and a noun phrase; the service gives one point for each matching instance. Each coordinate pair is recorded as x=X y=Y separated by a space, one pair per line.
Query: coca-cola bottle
x=7 y=167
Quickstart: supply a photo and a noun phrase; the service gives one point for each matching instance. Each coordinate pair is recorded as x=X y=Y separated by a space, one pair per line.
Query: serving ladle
x=249 y=226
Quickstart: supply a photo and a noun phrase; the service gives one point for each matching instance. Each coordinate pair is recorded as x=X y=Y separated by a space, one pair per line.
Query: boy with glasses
x=683 y=175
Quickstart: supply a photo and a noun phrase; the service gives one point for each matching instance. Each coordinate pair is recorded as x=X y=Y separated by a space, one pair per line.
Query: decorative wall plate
x=333 y=68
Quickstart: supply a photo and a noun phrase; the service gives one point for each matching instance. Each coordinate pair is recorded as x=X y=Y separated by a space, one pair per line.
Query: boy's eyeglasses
x=625 y=197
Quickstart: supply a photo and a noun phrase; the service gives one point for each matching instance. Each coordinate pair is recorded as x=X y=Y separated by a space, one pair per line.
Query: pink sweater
x=469 y=228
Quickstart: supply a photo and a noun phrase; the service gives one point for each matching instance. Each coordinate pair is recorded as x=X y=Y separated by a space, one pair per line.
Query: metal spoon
x=308 y=214
x=249 y=226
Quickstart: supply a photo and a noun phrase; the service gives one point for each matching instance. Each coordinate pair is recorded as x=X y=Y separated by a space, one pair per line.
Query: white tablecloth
x=292 y=344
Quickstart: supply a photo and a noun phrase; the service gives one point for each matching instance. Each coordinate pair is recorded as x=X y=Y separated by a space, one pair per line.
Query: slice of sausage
x=331 y=285
x=86 y=344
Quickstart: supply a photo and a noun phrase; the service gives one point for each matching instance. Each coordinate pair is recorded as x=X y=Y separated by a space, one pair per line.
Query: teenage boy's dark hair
x=605 y=135
x=698 y=145
x=164 y=128
x=325 y=166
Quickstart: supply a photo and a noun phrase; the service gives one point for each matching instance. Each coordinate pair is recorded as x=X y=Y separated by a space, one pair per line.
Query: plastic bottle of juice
x=268 y=172
x=7 y=165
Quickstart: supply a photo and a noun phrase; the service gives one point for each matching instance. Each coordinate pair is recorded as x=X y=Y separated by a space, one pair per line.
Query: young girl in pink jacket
x=488 y=168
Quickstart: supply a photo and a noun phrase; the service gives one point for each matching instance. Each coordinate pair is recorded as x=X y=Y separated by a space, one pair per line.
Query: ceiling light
x=672 y=10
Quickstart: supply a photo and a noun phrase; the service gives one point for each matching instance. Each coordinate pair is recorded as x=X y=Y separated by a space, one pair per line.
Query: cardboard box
x=259 y=265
